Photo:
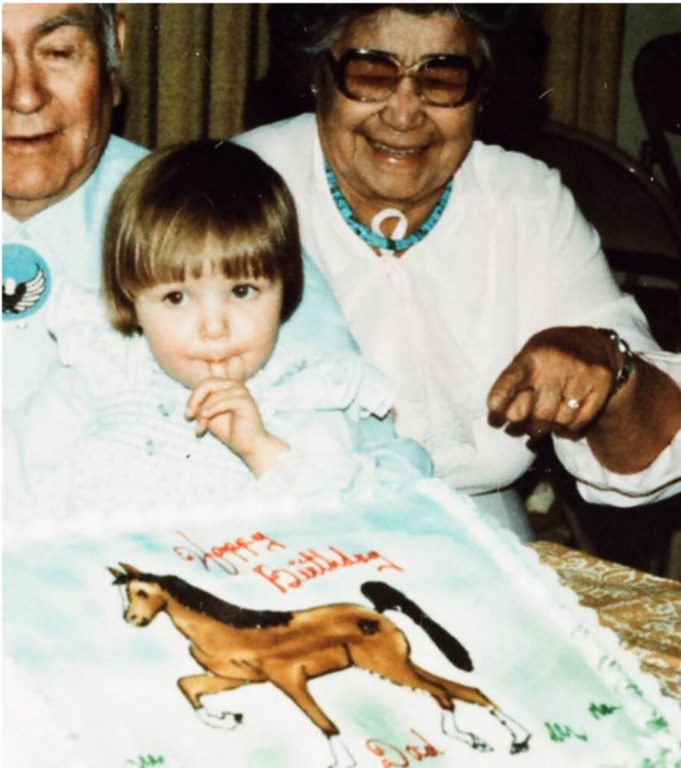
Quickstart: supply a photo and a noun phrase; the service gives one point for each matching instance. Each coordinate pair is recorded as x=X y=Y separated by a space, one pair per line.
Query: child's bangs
x=187 y=245
x=174 y=249
x=243 y=252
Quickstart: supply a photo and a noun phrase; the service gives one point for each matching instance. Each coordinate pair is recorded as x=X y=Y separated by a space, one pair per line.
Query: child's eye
x=175 y=298
x=244 y=291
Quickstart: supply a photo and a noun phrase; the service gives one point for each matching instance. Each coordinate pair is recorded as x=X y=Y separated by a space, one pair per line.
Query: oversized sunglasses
x=443 y=80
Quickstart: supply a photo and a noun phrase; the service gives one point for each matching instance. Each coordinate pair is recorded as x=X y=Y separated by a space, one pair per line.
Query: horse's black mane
x=209 y=605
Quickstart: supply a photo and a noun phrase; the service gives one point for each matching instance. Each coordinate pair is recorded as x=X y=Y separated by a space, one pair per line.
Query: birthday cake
x=390 y=631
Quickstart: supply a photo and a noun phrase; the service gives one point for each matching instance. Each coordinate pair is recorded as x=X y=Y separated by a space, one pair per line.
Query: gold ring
x=572 y=403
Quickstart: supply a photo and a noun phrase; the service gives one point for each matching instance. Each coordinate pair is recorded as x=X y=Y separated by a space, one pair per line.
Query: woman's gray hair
x=107 y=35
x=312 y=28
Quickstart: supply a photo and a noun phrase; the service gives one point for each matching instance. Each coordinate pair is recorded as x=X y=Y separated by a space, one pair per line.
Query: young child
x=189 y=394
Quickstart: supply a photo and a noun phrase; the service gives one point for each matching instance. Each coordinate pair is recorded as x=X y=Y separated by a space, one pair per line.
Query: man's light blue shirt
x=62 y=242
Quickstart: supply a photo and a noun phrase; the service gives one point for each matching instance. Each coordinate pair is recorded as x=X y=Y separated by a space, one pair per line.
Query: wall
x=642 y=23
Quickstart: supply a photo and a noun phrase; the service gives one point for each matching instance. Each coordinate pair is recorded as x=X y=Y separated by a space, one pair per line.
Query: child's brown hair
x=173 y=200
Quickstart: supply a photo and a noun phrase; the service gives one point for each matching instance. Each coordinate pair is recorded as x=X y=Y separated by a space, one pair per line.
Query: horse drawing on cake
x=238 y=646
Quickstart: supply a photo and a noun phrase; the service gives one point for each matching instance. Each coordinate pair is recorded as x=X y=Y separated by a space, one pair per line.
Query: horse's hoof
x=342 y=757
x=520 y=746
x=481 y=746
x=227 y=720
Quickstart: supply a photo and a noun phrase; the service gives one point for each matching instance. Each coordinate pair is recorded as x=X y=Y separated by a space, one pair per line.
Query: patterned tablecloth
x=643 y=610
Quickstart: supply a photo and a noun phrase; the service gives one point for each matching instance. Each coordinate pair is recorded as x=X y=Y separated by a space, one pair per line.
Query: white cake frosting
x=393 y=631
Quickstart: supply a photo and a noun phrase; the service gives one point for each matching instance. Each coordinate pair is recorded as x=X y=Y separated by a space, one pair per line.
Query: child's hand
x=226 y=408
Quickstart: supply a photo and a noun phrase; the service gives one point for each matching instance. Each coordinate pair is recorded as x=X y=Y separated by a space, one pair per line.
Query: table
x=643 y=610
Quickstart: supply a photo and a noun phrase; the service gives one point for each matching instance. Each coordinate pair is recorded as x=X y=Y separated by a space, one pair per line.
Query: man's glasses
x=443 y=80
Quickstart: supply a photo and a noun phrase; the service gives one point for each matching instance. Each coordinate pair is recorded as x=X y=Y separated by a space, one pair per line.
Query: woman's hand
x=226 y=409
x=561 y=381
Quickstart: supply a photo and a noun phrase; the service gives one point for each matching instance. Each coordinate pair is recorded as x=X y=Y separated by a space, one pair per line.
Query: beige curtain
x=188 y=67
x=583 y=66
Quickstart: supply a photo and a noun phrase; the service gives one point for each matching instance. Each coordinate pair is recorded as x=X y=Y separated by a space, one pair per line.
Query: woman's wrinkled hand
x=560 y=381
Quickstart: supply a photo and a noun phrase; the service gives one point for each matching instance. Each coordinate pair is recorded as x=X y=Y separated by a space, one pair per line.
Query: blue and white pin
x=26 y=281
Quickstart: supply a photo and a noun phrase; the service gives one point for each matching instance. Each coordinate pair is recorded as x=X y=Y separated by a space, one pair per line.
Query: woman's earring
x=314 y=89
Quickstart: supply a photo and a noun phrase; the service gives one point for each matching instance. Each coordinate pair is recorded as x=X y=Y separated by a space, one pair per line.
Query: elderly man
x=61 y=82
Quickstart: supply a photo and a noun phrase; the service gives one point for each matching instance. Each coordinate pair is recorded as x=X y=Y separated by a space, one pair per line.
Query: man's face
x=57 y=100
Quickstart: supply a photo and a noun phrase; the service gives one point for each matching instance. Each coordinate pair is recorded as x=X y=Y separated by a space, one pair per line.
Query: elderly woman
x=466 y=273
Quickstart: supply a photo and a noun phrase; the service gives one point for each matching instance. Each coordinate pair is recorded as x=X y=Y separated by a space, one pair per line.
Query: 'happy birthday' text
x=232 y=556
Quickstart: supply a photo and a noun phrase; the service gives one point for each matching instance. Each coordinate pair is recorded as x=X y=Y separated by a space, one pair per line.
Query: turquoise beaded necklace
x=374 y=239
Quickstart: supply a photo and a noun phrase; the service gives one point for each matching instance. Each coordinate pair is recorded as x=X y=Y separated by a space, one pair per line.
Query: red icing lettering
x=241 y=549
x=389 y=753
x=310 y=564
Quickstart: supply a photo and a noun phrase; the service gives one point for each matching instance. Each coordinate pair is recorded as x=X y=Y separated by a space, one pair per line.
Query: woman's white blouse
x=510 y=256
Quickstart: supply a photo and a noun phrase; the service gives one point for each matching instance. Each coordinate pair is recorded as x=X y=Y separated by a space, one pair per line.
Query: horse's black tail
x=384 y=597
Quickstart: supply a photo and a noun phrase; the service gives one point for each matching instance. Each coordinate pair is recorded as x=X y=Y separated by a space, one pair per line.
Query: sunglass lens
x=444 y=84
x=370 y=78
